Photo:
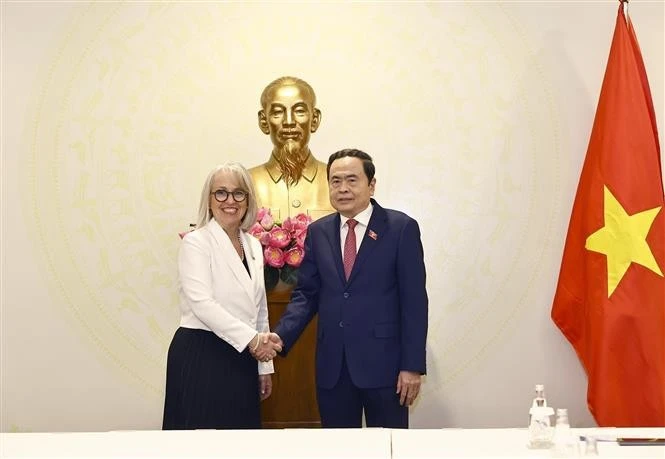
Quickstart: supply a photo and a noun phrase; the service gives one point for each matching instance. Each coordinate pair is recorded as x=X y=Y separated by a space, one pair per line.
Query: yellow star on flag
x=623 y=240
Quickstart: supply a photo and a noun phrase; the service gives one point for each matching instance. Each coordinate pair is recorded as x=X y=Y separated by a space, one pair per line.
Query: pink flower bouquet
x=283 y=246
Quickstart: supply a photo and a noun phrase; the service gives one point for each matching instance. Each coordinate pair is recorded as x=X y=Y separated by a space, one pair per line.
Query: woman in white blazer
x=218 y=368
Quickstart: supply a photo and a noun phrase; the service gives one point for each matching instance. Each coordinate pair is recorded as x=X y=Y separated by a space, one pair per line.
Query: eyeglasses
x=223 y=195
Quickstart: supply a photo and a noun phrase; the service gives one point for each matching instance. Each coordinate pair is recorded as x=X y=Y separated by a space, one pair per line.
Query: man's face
x=289 y=117
x=348 y=185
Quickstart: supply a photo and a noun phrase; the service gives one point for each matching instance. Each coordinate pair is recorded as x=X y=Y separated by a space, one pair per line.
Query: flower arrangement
x=283 y=246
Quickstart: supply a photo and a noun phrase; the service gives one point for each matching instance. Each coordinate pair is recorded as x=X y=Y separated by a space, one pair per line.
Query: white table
x=450 y=443
x=309 y=443
x=287 y=443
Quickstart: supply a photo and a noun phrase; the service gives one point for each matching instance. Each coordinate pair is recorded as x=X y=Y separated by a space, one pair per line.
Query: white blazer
x=216 y=293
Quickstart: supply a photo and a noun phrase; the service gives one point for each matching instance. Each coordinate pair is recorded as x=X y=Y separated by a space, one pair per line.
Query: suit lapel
x=231 y=258
x=250 y=254
x=331 y=231
x=378 y=223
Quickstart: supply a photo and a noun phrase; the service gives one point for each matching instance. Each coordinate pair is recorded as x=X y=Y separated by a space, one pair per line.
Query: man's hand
x=274 y=338
x=408 y=386
x=265 y=386
x=263 y=348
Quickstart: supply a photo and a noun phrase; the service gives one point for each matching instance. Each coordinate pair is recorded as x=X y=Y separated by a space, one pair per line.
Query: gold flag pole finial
x=625 y=9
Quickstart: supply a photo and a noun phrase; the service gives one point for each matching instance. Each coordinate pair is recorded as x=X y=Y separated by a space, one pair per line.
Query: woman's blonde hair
x=242 y=174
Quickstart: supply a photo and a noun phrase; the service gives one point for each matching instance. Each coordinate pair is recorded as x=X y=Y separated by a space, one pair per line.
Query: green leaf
x=271 y=277
x=289 y=275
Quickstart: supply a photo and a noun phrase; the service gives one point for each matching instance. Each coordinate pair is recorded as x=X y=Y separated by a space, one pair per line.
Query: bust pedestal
x=293 y=400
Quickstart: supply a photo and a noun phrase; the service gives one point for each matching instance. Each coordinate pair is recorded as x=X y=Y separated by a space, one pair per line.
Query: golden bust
x=293 y=181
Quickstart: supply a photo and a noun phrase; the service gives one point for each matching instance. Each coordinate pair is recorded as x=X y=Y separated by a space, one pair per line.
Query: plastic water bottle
x=540 y=427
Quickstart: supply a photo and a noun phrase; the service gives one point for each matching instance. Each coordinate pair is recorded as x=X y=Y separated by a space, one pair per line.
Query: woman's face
x=229 y=211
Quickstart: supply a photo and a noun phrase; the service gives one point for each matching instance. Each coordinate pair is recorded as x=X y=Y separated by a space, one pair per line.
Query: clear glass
x=565 y=443
x=590 y=446
x=562 y=418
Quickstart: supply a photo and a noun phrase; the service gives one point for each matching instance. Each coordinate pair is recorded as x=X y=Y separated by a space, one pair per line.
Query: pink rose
x=300 y=239
x=273 y=257
x=303 y=219
x=294 y=256
x=288 y=225
x=301 y=222
x=266 y=220
x=264 y=239
x=262 y=213
x=256 y=230
x=279 y=237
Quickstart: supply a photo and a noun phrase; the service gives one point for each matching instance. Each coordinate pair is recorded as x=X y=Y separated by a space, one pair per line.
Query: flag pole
x=625 y=11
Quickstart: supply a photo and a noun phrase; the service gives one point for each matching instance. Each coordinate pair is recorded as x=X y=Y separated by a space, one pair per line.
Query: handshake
x=265 y=346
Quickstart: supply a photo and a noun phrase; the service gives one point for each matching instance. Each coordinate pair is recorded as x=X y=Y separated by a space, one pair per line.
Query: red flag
x=610 y=298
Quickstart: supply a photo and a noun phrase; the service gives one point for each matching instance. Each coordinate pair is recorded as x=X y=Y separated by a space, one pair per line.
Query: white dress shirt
x=363 y=220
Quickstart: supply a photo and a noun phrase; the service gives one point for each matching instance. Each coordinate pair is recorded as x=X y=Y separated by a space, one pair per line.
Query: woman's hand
x=265 y=386
x=263 y=348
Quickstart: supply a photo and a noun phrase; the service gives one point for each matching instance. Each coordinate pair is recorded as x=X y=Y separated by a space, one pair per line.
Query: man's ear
x=316 y=120
x=263 y=122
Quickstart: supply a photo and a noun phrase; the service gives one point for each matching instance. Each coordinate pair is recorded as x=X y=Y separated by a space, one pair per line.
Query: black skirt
x=209 y=385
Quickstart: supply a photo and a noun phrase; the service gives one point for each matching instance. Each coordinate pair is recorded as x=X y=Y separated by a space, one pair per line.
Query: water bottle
x=540 y=428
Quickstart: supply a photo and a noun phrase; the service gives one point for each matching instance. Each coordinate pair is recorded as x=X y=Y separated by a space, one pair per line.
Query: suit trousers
x=343 y=405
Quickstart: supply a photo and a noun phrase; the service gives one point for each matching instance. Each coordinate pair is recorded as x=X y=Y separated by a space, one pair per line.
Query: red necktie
x=350 y=247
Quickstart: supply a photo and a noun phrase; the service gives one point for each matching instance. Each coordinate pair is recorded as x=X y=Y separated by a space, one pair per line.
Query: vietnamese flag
x=610 y=298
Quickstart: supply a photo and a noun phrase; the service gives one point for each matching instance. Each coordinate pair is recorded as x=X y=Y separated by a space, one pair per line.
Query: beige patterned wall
x=477 y=114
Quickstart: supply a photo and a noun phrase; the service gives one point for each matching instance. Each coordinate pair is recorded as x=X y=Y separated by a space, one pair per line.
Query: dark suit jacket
x=379 y=317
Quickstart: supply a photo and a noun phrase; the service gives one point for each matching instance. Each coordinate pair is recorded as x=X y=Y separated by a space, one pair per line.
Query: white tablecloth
x=509 y=443
x=310 y=443
x=287 y=443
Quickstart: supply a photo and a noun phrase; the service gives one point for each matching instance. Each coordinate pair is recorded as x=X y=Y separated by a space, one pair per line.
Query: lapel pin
x=372 y=234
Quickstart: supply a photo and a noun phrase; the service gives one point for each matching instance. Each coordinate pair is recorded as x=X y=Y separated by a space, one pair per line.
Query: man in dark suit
x=364 y=274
